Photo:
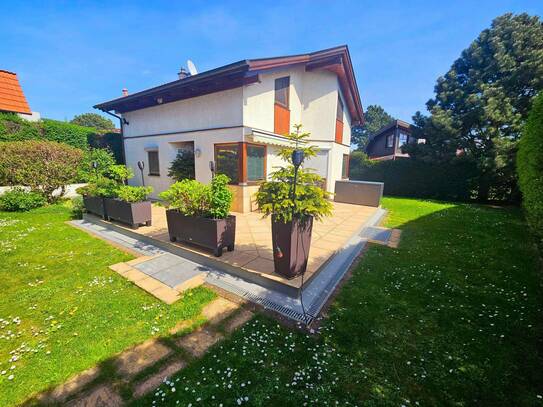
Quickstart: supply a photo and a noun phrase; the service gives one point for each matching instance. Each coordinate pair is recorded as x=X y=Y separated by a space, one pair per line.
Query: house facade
x=235 y=118
x=387 y=143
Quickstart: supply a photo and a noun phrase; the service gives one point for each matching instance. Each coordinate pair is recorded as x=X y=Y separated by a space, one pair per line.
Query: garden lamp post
x=95 y=168
x=141 y=166
x=297 y=159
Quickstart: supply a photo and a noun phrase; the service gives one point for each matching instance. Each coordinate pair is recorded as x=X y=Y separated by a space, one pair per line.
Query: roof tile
x=12 y=98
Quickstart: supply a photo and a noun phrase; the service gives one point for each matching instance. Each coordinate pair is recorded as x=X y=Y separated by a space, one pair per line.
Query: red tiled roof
x=12 y=98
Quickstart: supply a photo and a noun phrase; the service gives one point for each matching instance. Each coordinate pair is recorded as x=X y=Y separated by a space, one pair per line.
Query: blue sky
x=71 y=55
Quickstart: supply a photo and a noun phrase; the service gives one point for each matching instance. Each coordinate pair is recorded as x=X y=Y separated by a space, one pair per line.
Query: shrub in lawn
x=132 y=194
x=530 y=168
x=20 y=200
x=44 y=166
x=183 y=166
x=77 y=207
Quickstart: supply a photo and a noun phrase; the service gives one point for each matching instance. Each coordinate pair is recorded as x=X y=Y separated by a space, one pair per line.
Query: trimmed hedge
x=15 y=128
x=71 y=134
x=530 y=168
x=418 y=179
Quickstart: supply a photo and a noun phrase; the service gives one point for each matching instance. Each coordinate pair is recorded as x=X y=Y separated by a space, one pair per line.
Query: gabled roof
x=12 y=98
x=392 y=125
x=244 y=72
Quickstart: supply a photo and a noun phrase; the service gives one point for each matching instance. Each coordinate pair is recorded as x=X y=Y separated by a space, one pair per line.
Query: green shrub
x=111 y=141
x=19 y=200
x=418 y=179
x=103 y=157
x=62 y=132
x=14 y=128
x=276 y=197
x=183 y=166
x=100 y=187
x=120 y=173
x=44 y=166
x=133 y=194
x=192 y=198
x=530 y=168
x=77 y=207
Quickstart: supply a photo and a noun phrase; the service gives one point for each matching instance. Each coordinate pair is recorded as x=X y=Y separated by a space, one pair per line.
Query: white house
x=235 y=117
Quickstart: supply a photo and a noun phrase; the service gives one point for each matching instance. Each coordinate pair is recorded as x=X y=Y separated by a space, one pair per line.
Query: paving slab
x=152 y=382
x=101 y=396
x=219 y=309
x=140 y=357
x=72 y=386
x=377 y=234
x=238 y=320
x=198 y=342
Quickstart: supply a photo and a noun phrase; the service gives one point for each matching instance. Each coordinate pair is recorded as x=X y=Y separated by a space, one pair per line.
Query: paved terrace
x=253 y=251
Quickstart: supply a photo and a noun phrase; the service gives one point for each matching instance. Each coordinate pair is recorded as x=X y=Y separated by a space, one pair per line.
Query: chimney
x=125 y=92
x=182 y=74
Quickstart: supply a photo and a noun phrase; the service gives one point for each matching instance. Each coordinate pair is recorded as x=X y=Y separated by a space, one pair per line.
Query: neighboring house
x=387 y=143
x=235 y=117
x=12 y=98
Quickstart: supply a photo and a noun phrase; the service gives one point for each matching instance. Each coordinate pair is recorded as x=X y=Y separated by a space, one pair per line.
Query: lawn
x=62 y=310
x=451 y=317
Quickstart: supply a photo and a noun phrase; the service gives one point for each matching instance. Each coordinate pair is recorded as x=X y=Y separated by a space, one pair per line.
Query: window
x=345 y=167
x=403 y=139
x=152 y=158
x=227 y=161
x=339 y=113
x=390 y=140
x=256 y=162
x=281 y=91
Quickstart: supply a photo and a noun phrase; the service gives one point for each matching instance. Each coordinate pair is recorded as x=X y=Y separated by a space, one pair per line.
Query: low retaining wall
x=69 y=193
x=359 y=192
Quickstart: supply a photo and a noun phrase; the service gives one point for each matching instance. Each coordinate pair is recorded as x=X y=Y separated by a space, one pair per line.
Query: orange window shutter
x=339 y=131
x=281 y=120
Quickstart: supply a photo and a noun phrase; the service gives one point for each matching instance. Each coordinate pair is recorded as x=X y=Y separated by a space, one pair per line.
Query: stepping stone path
x=163 y=358
x=164 y=276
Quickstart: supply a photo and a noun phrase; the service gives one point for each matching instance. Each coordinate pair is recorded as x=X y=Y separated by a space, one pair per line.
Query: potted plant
x=95 y=192
x=130 y=205
x=199 y=214
x=127 y=204
x=294 y=197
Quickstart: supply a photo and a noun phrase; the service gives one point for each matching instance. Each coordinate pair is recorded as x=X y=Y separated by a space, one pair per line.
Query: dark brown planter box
x=134 y=214
x=95 y=204
x=214 y=234
x=291 y=242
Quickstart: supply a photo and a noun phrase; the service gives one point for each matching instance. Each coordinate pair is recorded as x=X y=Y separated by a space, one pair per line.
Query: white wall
x=259 y=99
x=220 y=109
x=204 y=141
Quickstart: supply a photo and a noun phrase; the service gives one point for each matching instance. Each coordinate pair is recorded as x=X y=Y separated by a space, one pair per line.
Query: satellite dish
x=192 y=67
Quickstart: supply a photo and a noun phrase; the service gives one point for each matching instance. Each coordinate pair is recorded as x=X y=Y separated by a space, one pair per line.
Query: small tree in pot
x=199 y=213
x=293 y=198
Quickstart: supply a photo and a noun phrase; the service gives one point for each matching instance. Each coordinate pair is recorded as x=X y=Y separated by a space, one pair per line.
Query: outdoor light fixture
x=141 y=166
x=212 y=168
x=159 y=100
x=197 y=153
x=297 y=157
x=94 y=164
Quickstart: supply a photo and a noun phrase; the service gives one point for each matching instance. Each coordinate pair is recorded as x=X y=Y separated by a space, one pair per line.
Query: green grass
x=62 y=310
x=450 y=318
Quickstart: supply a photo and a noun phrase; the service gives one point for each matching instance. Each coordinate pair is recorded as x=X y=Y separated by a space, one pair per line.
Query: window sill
x=153 y=175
